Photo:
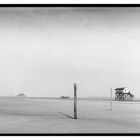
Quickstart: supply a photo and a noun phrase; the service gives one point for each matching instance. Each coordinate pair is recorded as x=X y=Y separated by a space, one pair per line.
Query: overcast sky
x=43 y=51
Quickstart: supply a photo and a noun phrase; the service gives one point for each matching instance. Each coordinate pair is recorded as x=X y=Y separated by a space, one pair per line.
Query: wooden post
x=110 y=98
x=75 y=101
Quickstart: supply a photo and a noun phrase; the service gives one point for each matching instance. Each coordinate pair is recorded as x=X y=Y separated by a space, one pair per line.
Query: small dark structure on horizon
x=123 y=94
x=64 y=97
x=21 y=95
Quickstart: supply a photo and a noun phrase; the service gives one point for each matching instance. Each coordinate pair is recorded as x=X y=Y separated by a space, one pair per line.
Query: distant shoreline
x=80 y=98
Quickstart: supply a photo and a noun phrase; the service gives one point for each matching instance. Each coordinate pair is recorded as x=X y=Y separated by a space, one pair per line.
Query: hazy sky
x=43 y=51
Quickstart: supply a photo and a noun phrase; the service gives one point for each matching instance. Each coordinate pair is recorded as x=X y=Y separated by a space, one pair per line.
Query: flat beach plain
x=42 y=115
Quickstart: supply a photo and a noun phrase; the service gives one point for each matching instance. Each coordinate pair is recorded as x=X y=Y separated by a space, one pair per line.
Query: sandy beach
x=42 y=115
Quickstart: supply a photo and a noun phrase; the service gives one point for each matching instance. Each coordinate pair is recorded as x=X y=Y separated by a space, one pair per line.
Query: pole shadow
x=67 y=115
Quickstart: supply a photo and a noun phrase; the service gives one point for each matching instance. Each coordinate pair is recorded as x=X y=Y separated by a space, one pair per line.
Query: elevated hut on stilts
x=123 y=94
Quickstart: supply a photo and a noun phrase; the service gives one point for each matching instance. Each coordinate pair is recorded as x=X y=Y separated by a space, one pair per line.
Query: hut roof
x=121 y=88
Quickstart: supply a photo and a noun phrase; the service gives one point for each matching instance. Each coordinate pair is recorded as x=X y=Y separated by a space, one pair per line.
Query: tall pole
x=75 y=100
x=110 y=98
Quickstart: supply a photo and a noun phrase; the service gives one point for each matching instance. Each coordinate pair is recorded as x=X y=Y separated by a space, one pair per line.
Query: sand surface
x=34 y=115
